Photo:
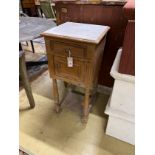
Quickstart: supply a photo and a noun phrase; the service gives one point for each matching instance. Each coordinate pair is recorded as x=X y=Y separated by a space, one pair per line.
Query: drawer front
x=73 y=73
x=60 y=48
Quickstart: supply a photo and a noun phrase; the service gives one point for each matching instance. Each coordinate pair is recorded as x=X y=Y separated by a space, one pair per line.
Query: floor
x=44 y=132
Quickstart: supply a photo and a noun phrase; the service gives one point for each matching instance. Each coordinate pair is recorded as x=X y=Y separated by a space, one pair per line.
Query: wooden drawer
x=61 y=48
x=74 y=73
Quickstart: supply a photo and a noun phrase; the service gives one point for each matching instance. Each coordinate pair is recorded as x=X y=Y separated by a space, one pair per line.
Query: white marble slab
x=79 y=31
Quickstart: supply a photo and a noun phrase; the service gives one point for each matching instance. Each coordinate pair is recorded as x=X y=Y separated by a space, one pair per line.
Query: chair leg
x=26 y=84
x=32 y=46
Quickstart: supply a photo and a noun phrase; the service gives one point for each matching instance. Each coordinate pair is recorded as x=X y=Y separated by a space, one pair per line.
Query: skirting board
x=104 y=89
x=100 y=89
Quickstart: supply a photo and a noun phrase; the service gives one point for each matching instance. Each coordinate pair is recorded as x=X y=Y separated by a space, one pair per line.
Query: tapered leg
x=86 y=106
x=25 y=81
x=56 y=95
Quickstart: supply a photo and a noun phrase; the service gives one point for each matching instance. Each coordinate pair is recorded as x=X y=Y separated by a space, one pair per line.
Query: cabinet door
x=75 y=73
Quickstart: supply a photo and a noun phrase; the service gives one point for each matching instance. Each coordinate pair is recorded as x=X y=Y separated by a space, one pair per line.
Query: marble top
x=78 y=31
x=31 y=27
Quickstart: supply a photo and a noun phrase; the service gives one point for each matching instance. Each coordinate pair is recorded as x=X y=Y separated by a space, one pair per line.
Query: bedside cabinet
x=74 y=52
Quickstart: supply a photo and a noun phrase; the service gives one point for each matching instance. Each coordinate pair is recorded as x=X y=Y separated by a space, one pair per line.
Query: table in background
x=31 y=27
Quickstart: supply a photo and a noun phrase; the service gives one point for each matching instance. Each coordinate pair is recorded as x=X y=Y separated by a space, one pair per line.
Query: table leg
x=86 y=106
x=39 y=11
x=32 y=46
x=56 y=95
x=26 y=84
